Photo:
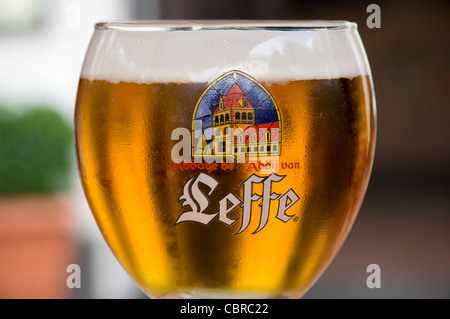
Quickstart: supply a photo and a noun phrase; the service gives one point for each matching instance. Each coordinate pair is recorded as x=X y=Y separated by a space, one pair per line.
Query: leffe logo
x=198 y=202
x=236 y=120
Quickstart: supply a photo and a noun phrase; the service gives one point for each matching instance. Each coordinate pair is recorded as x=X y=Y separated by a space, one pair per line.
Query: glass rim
x=222 y=25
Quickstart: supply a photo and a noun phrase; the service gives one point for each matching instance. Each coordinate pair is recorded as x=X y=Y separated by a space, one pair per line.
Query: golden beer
x=268 y=225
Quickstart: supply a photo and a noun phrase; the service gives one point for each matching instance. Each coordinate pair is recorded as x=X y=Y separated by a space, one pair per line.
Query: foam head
x=193 y=52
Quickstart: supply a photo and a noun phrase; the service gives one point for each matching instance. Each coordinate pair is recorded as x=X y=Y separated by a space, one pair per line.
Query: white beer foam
x=149 y=56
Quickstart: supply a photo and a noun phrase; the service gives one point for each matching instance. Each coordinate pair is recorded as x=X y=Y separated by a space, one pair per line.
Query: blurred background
x=46 y=225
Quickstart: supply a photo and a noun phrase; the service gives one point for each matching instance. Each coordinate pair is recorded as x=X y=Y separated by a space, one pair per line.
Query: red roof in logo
x=234 y=98
x=235 y=89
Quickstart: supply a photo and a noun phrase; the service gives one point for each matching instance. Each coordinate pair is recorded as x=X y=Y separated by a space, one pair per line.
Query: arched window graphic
x=225 y=101
x=218 y=132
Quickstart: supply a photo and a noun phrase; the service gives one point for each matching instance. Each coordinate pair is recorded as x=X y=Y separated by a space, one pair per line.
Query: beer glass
x=225 y=159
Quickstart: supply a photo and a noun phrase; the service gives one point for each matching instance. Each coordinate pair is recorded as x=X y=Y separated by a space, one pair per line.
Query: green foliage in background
x=36 y=151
